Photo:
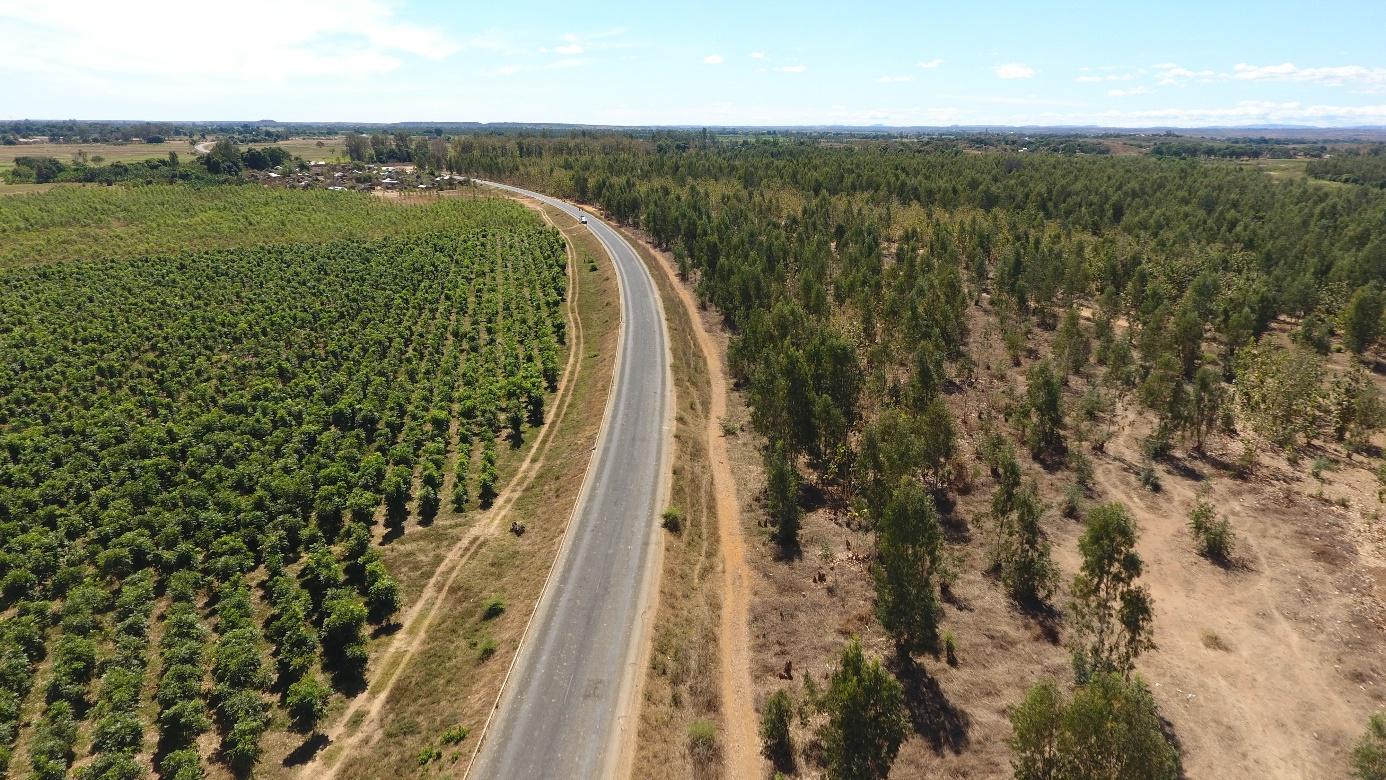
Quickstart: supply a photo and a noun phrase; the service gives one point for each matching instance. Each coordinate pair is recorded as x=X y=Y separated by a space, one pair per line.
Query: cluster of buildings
x=359 y=177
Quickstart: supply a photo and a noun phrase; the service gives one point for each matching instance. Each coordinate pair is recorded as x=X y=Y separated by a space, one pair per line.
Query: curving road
x=567 y=706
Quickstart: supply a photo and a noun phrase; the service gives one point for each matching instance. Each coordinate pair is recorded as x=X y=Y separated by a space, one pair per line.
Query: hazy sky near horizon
x=1177 y=63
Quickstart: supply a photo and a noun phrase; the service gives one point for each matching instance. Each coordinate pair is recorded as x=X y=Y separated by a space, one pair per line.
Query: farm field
x=108 y=153
x=97 y=223
x=203 y=489
x=333 y=149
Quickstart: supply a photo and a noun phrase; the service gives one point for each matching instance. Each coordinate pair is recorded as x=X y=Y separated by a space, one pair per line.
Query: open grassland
x=331 y=148
x=108 y=152
x=28 y=189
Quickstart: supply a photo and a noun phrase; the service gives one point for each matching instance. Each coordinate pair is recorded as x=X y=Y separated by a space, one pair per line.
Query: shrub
x=485 y=647
x=1246 y=461
x=306 y=702
x=1318 y=466
x=455 y=735
x=181 y=765
x=703 y=747
x=429 y=754
x=381 y=593
x=1158 y=444
x=1149 y=477
x=1072 y=505
x=1212 y=534
x=1081 y=465
x=672 y=520
x=493 y=608
x=1369 y=756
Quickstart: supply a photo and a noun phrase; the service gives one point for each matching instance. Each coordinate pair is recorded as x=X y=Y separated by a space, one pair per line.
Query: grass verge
x=680 y=715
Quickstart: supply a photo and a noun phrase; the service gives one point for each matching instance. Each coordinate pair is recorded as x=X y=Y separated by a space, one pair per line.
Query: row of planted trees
x=170 y=426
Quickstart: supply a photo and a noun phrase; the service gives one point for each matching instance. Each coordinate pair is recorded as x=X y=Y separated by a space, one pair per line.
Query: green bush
x=672 y=520
x=455 y=735
x=493 y=608
x=867 y=717
x=1212 y=534
x=306 y=702
x=485 y=647
x=1369 y=755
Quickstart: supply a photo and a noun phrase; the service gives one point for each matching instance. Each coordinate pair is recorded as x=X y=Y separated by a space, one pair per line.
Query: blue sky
x=1178 y=63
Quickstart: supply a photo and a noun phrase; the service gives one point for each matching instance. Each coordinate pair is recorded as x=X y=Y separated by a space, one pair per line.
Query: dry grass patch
x=680 y=727
x=108 y=153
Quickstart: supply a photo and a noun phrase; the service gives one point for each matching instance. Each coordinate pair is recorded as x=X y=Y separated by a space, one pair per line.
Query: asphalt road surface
x=558 y=714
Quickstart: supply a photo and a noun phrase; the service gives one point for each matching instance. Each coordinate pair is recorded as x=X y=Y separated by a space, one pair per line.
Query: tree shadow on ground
x=937 y=720
x=305 y=752
x=1183 y=467
x=395 y=515
x=1044 y=616
x=386 y=629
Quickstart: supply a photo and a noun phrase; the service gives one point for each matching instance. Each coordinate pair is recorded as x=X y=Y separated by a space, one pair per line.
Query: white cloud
x=308 y=39
x=1088 y=79
x=930 y=64
x=1337 y=76
x=1139 y=90
x=757 y=55
x=1168 y=74
x=758 y=113
x=1247 y=112
x=792 y=68
x=713 y=59
x=895 y=79
x=568 y=48
x=1013 y=70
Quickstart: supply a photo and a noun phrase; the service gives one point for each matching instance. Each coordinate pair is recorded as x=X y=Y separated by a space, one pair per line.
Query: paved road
x=557 y=717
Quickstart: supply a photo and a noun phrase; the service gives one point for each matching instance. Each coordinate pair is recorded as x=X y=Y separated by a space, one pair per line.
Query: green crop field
x=198 y=448
x=88 y=223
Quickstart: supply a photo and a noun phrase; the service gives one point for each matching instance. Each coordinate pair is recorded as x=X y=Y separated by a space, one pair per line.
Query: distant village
x=356 y=176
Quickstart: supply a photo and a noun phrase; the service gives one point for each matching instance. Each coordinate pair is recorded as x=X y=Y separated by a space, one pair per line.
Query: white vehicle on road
x=583 y=219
